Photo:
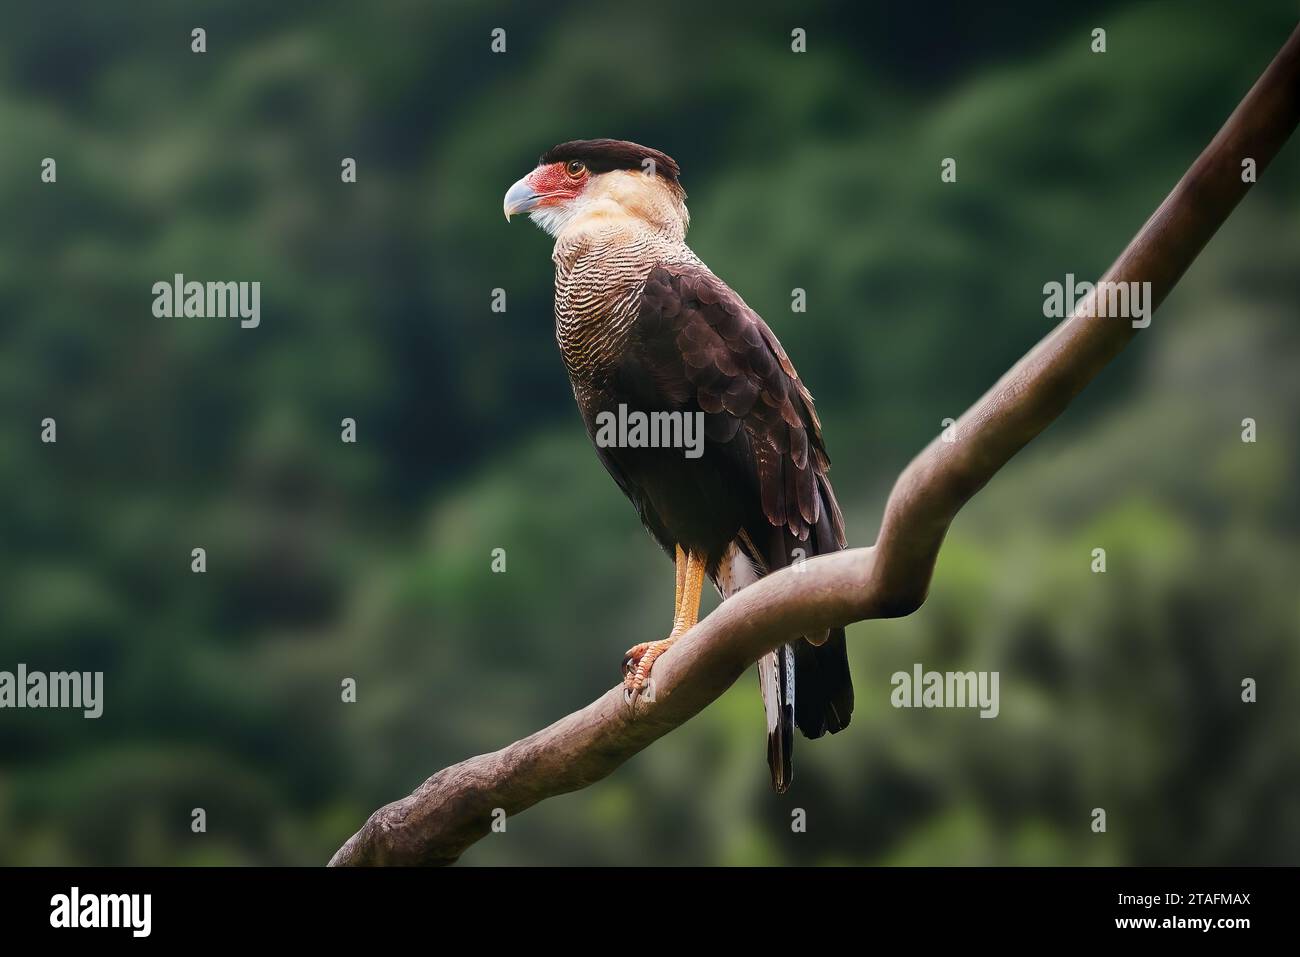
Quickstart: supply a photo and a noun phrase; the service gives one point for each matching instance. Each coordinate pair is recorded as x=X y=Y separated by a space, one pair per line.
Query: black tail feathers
x=824 y=701
x=806 y=686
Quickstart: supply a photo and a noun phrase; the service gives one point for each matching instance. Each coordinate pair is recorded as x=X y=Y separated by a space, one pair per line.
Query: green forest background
x=372 y=560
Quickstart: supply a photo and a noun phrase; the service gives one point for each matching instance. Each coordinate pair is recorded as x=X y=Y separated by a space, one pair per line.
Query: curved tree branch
x=454 y=808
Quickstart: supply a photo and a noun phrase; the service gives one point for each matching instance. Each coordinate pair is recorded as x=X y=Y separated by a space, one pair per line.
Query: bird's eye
x=575 y=169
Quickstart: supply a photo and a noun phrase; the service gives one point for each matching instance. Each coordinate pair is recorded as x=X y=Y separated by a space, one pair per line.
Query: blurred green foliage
x=371 y=561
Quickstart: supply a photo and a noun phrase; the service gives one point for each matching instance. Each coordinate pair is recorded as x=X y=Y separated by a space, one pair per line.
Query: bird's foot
x=637 y=664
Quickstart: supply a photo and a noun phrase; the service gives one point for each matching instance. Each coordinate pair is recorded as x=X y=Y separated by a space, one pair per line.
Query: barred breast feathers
x=599 y=277
x=625 y=223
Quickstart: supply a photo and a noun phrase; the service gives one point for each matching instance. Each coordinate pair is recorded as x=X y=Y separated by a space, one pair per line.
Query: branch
x=454 y=808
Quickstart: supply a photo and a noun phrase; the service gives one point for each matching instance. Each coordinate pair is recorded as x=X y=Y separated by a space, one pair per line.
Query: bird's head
x=587 y=182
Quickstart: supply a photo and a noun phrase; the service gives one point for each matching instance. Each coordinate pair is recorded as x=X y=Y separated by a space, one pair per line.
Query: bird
x=645 y=328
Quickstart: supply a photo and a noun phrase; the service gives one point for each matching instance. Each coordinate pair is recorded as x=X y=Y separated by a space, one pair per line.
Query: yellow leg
x=681 y=581
x=688 y=607
x=690 y=586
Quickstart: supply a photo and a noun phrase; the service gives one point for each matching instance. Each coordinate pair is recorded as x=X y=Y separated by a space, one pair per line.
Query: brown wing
x=703 y=346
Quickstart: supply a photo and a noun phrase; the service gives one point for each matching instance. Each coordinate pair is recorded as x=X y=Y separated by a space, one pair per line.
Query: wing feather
x=702 y=341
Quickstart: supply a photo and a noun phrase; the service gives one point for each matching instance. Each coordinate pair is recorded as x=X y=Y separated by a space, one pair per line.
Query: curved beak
x=521 y=198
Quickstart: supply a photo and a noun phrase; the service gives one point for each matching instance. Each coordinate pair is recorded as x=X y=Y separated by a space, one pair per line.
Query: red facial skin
x=555 y=184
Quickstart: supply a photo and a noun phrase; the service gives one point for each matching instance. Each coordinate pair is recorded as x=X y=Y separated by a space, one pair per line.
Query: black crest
x=601 y=156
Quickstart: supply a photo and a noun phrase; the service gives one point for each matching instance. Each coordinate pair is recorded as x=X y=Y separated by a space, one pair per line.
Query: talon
x=640 y=659
x=631 y=658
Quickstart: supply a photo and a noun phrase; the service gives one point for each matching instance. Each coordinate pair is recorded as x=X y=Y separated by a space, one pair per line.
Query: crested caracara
x=645 y=328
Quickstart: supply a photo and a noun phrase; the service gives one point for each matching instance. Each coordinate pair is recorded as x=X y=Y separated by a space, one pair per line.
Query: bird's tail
x=776 y=677
x=806 y=684
x=824 y=702
x=821 y=667
x=743 y=565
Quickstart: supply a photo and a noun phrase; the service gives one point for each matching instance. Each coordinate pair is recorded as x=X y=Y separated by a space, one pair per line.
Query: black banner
x=234 y=905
